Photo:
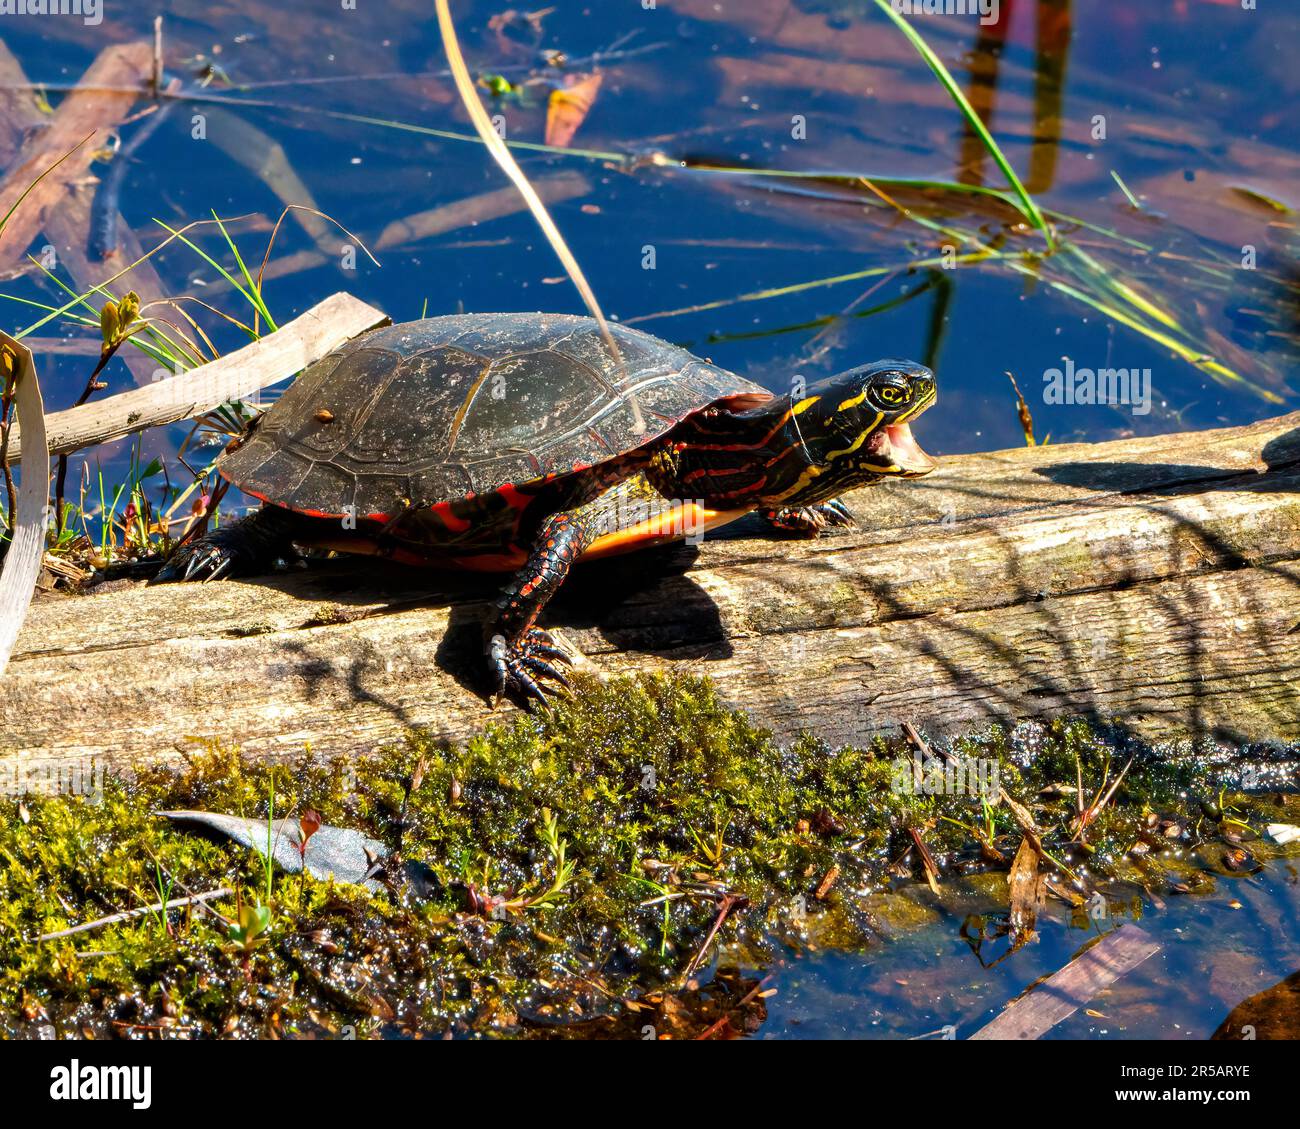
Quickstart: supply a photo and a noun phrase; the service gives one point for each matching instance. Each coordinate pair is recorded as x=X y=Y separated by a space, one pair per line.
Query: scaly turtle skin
x=517 y=443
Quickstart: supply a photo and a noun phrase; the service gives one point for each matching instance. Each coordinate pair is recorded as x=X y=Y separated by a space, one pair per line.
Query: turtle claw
x=215 y=574
x=837 y=513
x=522 y=665
x=812 y=521
x=203 y=560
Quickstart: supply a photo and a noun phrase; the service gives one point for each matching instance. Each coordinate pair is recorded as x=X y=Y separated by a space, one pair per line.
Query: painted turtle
x=516 y=443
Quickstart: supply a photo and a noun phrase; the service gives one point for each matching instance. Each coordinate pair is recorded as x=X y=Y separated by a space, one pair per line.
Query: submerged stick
x=66 y=226
x=83 y=112
x=465 y=212
x=1070 y=988
x=266 y=159
x=105 y=211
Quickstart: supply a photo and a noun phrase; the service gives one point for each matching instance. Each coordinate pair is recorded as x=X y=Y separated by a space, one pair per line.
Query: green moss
x=657 y=791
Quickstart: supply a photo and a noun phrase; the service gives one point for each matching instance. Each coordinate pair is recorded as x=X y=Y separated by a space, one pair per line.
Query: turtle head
x=844 y=432
x=854 y=428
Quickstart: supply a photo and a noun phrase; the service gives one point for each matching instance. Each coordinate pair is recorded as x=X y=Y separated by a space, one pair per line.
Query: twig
x=728 y=903
x=927 y=859
x=921 y=746
x=93 y=384
x=156 y=80
x=157 y=907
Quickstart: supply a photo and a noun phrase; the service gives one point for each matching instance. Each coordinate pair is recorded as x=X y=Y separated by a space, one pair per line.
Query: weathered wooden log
x=1155 y=582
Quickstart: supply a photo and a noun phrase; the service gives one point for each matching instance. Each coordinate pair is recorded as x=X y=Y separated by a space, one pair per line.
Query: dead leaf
x=1027 y=889
x=326 y=852
x=568 y=107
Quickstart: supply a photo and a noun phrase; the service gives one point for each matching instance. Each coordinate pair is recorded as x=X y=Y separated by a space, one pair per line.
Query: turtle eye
x=889 y=395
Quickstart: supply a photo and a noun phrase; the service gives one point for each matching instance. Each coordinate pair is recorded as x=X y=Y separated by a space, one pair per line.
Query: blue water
x=1193 y=100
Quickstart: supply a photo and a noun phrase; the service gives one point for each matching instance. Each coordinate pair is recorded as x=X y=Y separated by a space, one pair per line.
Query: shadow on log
x=1153 y=582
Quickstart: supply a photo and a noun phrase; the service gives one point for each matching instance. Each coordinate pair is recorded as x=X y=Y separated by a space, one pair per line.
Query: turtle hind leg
x=245 y=547
x=521 y=657
x=810 y=521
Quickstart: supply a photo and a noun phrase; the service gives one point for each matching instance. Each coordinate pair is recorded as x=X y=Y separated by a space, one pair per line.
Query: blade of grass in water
x=28 y=190
x=1097 y=273
x=163 y=349
x=833 y=280
x=1192 y=356
x=1030 y=209
x=258 y=304
x=251 y=296
x=501 y=154
x=1124 y=189
x=62 y=311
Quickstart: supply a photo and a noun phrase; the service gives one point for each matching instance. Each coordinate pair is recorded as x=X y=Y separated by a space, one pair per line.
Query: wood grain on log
x=1155 y=581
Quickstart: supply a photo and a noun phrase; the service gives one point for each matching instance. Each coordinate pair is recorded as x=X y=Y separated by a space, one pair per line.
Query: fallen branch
x=266 y=159
x=1148 y=582
x=126 y=915
x=187 y=395
x=67 y=226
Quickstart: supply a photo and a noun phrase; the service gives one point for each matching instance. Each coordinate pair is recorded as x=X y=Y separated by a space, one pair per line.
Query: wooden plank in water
x=1072 y=987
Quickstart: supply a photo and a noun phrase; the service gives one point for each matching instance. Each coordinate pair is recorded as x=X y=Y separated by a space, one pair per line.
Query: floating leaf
x=568 y=108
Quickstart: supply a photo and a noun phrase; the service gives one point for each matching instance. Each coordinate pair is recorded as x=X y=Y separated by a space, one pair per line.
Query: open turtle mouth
x=906 y=451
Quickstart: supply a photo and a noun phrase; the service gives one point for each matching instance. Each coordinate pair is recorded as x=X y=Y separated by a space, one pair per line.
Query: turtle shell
x=446 y=408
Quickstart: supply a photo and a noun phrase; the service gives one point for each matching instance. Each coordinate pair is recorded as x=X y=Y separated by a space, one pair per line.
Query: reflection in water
x=1051 y=55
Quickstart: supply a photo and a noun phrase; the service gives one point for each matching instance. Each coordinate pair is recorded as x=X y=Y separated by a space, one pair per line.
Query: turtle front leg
x=810 y=521
x=521 y=655
x=245 y=547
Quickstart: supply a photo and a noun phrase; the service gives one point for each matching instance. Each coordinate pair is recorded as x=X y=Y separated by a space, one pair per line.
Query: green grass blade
x=27 y=191
x=1027 y=205
x=1133 y=200
x=251 y=297
x=253 y=289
